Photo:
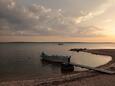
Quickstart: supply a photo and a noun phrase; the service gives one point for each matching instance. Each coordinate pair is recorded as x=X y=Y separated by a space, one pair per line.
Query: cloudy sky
x=57 y=20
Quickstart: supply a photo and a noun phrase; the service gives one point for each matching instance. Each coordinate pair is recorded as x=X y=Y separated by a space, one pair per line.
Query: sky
x=57 y=20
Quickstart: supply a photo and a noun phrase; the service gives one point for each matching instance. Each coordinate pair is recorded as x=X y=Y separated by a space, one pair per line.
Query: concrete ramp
x=95 y=69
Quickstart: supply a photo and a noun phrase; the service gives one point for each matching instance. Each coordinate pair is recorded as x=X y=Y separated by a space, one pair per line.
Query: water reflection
x=82 y=58
x=23 y=60
x=53 y=66
x=90 y=59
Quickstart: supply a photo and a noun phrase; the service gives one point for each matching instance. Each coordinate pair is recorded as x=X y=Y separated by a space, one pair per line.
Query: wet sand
x=86 y=78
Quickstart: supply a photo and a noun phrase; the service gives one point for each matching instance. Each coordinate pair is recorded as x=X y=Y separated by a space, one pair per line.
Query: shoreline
x=79 y=79
x=105 y=52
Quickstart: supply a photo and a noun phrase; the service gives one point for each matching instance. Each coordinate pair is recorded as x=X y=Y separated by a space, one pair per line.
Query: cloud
x=85 y=16
x=88 y=16
x=37 y=20
x=89 y=31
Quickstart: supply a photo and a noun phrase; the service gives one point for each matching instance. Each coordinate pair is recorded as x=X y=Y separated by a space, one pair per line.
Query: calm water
x=22 y=60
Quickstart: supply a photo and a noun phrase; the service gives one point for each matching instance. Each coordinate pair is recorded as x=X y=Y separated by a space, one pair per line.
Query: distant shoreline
x=65 y=42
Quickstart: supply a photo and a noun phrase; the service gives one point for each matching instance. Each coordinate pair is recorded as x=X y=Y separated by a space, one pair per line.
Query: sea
x=20 y=60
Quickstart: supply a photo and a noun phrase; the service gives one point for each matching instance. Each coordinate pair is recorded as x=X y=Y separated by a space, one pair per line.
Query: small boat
x=55 y=58
x=60 y=43
x=67 y=67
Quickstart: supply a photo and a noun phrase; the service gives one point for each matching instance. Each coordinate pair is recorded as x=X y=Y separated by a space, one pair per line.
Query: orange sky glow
x=57 y=21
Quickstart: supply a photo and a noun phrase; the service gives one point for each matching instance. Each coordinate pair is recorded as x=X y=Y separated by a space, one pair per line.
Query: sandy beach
x=86 y=78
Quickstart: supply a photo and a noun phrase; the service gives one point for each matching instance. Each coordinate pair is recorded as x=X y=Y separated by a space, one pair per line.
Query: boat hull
x=67 y=67
x=55 y=58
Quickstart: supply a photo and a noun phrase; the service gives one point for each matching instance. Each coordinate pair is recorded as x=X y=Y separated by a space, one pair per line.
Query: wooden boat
x=55 y=58
x=67 y=67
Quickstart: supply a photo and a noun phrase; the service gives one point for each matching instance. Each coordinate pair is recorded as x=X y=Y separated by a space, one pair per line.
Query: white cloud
x=39 y=20
x=85 y=16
